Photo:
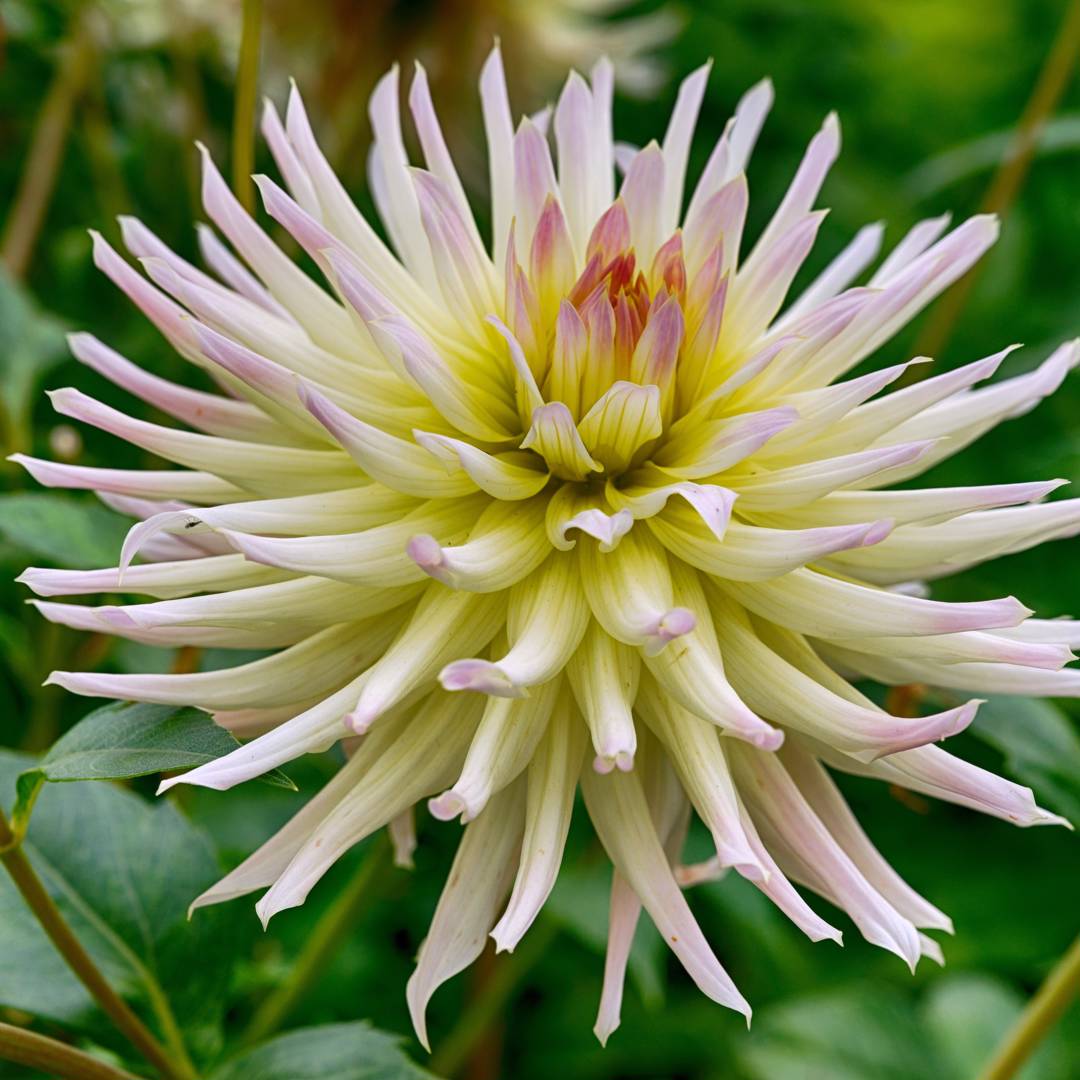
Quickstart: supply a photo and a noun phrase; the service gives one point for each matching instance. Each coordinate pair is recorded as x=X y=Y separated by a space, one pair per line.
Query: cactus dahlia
x=593 y=504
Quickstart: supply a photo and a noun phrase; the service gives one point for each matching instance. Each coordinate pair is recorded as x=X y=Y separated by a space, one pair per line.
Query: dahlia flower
x=592 y=505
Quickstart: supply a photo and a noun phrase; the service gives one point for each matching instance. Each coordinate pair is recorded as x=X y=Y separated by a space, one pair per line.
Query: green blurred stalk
x=1007 y=181
x=341 y=917
x=486 y=1006
x=109 y=185
x=247 y=88
x=38 y=179
x=172 y=1064
x=53 y=1057
x=1043 y=1011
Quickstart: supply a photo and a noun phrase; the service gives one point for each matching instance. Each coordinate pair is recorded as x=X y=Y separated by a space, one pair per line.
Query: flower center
x=617 y=351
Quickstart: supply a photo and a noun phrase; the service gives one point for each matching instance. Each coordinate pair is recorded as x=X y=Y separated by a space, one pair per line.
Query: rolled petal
x=790 y=826
x=376 y=556
x=604 y=676
x=500 y=751
x=545 y=621
x=507 y=476
x=549 y=802
x=695 y=751
x=256 y=466
x=163 y=580
x=397 y=783
x=445 y=621
x=813 y=603
x=621 y=817
x=630 y=593
x=800 y=696
x=694 y=674
x=624 y=420
x=401 y=465
x=211 y=413
x=555 y=437
x=717 y=445
x=751 y=553
x=479 y=878
x=506 y=545
x=825 y=799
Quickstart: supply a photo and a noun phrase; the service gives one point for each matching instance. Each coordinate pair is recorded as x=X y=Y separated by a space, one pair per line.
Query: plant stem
x=38 y=178
x=1007 y=180
x=1039 y=1016
x=247 y=86
x=340 y=918
x=53 y=1057
x=483 y=1009
x=79 y=960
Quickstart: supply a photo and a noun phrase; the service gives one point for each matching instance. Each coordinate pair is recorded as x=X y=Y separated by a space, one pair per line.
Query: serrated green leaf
x=122 y=872
x=1040 y=745
x=64 y=530
x=120 y=741
x=328 y=1052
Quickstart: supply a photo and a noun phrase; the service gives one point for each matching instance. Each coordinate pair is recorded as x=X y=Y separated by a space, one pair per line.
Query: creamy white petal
x=620 y=814
x=500 y=751
x=546 y=618
x=479 y=878
x=551 y=784
x=604 y=675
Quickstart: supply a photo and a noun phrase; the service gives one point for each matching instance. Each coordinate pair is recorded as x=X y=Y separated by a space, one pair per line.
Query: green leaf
x=329 y=1052
x=970 y=1013
x=851 y=1034
x=122 y=872
x=1040 y=745
x=120 y=741
x=65 y=530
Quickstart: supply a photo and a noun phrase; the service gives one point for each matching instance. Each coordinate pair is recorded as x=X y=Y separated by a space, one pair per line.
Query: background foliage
x=929 y=92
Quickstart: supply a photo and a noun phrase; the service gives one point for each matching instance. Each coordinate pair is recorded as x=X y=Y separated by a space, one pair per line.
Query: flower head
x=585 y=506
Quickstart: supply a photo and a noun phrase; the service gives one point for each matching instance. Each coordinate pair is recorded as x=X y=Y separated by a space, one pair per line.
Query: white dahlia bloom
x=585 y=506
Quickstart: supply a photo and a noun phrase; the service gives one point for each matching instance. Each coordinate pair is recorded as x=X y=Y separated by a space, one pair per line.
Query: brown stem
x=42 y=164
x=1007 y=180
x=53 y=1057
x=79 y=960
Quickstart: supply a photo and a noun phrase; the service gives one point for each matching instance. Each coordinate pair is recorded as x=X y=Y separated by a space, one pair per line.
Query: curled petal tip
x=623 y=760
x=357 y=722
x=671 y=625
x=769 y=738
x=447 y=806
x=877 y=531
x=426 y=552
x=479 y=675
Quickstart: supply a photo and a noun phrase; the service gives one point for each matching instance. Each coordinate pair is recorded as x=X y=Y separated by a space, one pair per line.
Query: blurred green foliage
x=928 y=93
